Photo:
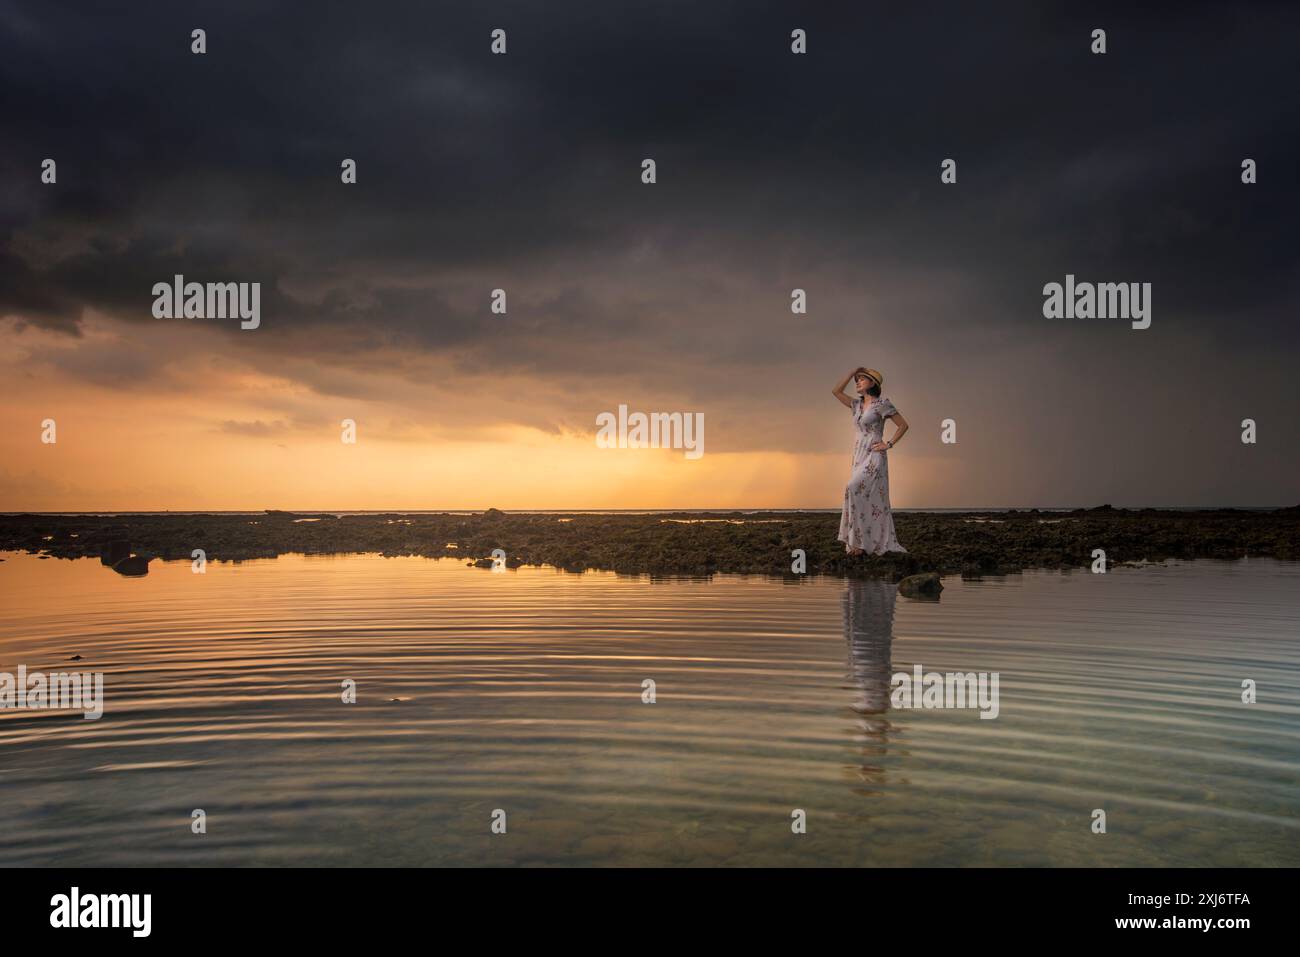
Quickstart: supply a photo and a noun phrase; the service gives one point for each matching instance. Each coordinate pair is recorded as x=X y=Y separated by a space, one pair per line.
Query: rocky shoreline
x=971 y=544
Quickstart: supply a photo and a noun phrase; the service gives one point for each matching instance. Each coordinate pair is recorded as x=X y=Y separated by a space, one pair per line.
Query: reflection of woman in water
x=867 y=524
x=869 y=632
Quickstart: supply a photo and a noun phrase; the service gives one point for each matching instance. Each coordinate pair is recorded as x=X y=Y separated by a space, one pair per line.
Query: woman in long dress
x=867 y=524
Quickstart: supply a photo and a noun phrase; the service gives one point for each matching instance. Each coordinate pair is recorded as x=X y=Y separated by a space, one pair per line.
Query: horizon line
x=720 y=509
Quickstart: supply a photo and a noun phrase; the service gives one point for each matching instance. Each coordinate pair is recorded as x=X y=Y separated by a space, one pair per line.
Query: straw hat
x=875 y=374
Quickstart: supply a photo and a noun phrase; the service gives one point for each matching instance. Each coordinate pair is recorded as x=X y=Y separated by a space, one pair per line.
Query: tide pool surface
x=523 y=691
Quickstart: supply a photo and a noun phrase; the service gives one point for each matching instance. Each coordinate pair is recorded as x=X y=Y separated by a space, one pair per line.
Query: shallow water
x=522 y=691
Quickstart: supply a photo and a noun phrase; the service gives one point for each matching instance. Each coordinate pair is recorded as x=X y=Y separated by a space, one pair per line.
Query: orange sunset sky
x=775 y=172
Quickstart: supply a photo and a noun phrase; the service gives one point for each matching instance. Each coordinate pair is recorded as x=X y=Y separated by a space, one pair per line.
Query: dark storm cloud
x=522 y=171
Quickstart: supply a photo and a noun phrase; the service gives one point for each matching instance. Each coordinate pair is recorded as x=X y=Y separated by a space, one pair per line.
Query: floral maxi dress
x=867 y=522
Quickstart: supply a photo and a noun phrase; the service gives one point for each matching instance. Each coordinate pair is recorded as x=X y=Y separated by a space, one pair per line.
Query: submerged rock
x=925 y=585
x=133 y=565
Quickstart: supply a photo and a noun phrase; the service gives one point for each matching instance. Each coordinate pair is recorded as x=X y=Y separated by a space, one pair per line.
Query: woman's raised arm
x=838 y=391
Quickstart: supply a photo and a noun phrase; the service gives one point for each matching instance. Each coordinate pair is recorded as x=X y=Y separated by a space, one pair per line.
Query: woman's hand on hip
x=880 y=446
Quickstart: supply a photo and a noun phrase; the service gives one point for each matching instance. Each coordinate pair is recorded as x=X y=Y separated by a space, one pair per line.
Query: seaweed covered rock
x=679 y=543
x=114 y=552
